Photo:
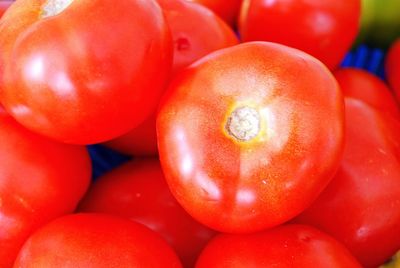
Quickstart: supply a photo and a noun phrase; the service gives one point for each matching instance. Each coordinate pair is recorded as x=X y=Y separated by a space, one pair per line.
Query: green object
x=380 y=22
x=394 y=263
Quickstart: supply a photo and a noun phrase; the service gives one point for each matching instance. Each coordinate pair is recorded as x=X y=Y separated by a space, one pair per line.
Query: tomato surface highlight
x=196 y=31
x=250 y=135
x=86 y=73
x=325 y=29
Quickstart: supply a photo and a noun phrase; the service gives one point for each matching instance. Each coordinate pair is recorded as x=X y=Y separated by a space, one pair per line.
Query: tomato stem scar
x=243 y=123
x=55 y=7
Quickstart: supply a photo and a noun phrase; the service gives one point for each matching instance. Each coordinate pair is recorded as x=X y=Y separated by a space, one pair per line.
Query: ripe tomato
x=140 y=141
x=365 y=86
x=393 y=67
x=137 y=190
x=226 y=9
x=4 y=5
x=250 y=135
x=39 y=181
x=196 y=32
x=325 y=29
x=361 y=206
x=95 y=240
x=284 y=246
x=82 y=76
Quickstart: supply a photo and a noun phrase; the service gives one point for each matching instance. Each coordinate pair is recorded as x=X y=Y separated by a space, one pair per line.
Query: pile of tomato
x=248 y=144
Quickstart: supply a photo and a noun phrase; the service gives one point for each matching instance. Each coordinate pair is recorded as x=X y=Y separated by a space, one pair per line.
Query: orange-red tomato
x=285 y=246
x=196 y=31
x=140 y=141
x=250 y=135
x=361 y=206
x=325 y=29
x=362 y=85
x=95 y=240
x=40 y=180
x=138 y=191
x=87 y=74
x=393 y=67
x=226 y=9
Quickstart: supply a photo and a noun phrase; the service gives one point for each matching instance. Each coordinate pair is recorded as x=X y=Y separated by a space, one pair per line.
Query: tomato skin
x=392 y=65
x=196 y=31
x=39 y=181
x=235 y=186
x=325 y=29
x=228 y=10
x=140 y=141
x=137 y=190
x=362 y=85
x=95 y=240
x=84 y=79
x=361 y=205
x=4 y=5
x=283 y=246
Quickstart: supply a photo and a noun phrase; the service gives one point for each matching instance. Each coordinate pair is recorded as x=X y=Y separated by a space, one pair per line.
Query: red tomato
x=250 y=135
x=226 y=9
x=88 y=74
x=361 y=206
x=95 y=240
x=4 y=5
x=393 y=67
x=365 y=86
x=196 y=32
x=284 y=246
x=141 y=141
x=325 y=29
x=137 y=190
x=39 y=181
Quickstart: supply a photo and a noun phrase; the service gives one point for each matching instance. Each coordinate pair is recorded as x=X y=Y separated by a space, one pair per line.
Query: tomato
x=137 y=190
x=361 y=206
x=284 y=246
x=39 y=181
x=250 y=135
x=226 y=9
x=196 y=31
x=82 y=76
x=140 y=141
x=392 y=65
x=365 y=86
x=325 y=29
x=4 y=5
x=95 y=240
